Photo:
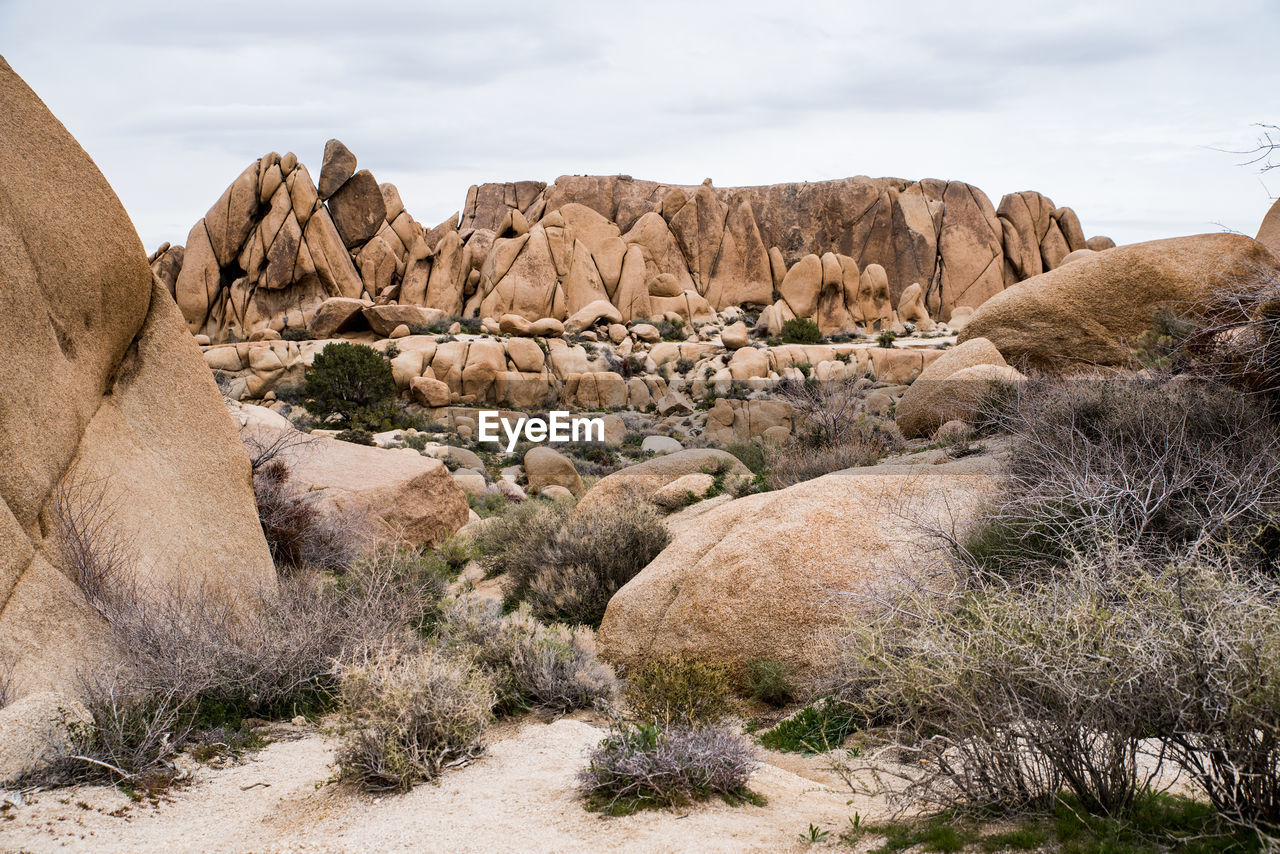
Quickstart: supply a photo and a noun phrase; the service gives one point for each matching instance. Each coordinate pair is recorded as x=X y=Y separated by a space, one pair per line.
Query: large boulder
x=1269 y=231
x=399 y=495
x=105 y=402
x=644 y=479
x=545 y=467
x=931 y=400
x=37 y=730
x=773 y=576
x=1093 y=310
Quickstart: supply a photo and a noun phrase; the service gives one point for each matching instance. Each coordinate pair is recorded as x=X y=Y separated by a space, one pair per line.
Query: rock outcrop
x=771 y=576
x=933 y=399
x=275 y=247
x=1092 y=311
x=107 y=405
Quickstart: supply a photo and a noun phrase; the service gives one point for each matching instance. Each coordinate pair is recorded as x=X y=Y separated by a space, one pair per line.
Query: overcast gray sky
x=1114 y=108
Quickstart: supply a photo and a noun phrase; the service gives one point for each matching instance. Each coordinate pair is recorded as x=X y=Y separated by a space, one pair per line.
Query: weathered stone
x=1091 y=311
x=931 y=401
x=339 y=164
x=358 y=209
x=546 y=467
x=383 y=319
x=106 y=400
x=754 y=579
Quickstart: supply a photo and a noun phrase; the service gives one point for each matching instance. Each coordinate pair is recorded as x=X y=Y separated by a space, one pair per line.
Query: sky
x=1131 y=112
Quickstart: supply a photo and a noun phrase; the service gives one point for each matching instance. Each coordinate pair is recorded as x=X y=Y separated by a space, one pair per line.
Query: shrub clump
x=567 y=564
x=549 y=667
x=1156 y=464
x=408 y=717
x=801 y=330
x=676 y=690
x=767 y=681
x=353 y=384
x=644 y=766
x=1011 y=693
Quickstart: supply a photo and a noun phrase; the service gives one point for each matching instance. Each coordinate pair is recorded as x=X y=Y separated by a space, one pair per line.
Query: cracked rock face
x=105 y=401
x=276 y=246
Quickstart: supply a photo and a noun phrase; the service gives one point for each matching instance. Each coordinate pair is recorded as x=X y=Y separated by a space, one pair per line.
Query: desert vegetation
x=1107 y=624
x=371 y=635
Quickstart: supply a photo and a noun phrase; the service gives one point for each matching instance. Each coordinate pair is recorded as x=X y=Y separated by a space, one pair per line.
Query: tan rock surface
x=1085 y=312
x=774 y=576
x=125 y=406
x=931 y=400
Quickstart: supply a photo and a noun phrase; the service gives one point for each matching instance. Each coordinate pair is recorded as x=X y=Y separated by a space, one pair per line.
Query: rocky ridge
x=279 y=251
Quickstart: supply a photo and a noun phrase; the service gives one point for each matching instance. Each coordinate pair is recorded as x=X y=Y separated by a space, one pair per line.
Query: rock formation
x=107 y=409
x=1093 y=310
x=276 y=246
x=772 y=576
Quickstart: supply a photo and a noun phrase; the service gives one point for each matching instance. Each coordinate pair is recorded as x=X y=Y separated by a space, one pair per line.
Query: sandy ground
x=519 y=796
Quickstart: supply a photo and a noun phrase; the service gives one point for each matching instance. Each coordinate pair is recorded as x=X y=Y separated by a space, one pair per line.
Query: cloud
x=1110 y=107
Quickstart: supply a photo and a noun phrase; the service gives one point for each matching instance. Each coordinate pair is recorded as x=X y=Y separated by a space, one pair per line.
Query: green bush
x=767 y=682
x=356 y=437
x=801 y=330
x=352 y=382
x=750 y=454
x=676 y=690
x=814 y=729
x=886 y=338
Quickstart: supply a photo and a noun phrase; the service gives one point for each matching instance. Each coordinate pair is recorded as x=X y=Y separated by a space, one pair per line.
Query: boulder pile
x=278 y=252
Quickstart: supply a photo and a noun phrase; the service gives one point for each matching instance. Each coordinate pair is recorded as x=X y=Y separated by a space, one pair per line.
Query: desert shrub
x=1236 y=336
x=672 y=330
x=516 y=542
x=550 y=667
x=817 y=728
x=684 y=365
x=825 y=413
x=800 y=330
x=489 y=504
x=750 y=454
x=1157 y=464
x=299 y=533
x=767 y=681
x=407 y=717
x=794 y=462
x=676 y=690
x=1009 y=693
x=193 y=659
x=886 y=338
x=296 y=333
x=356 y=437
x=455 y=553
x=352 y=382
x=85 y=533
x=567 y=565
x=642 y=766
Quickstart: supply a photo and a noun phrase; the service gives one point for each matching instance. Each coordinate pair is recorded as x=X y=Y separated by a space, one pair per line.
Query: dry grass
x=1158 y=463
x=567 y=564
x=410 y=717
x=550 y=667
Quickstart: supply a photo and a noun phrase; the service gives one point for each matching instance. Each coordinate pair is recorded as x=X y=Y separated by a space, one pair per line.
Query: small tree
x=353 y=382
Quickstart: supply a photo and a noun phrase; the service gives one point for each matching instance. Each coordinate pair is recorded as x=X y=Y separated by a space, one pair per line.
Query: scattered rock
x=545 y=467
